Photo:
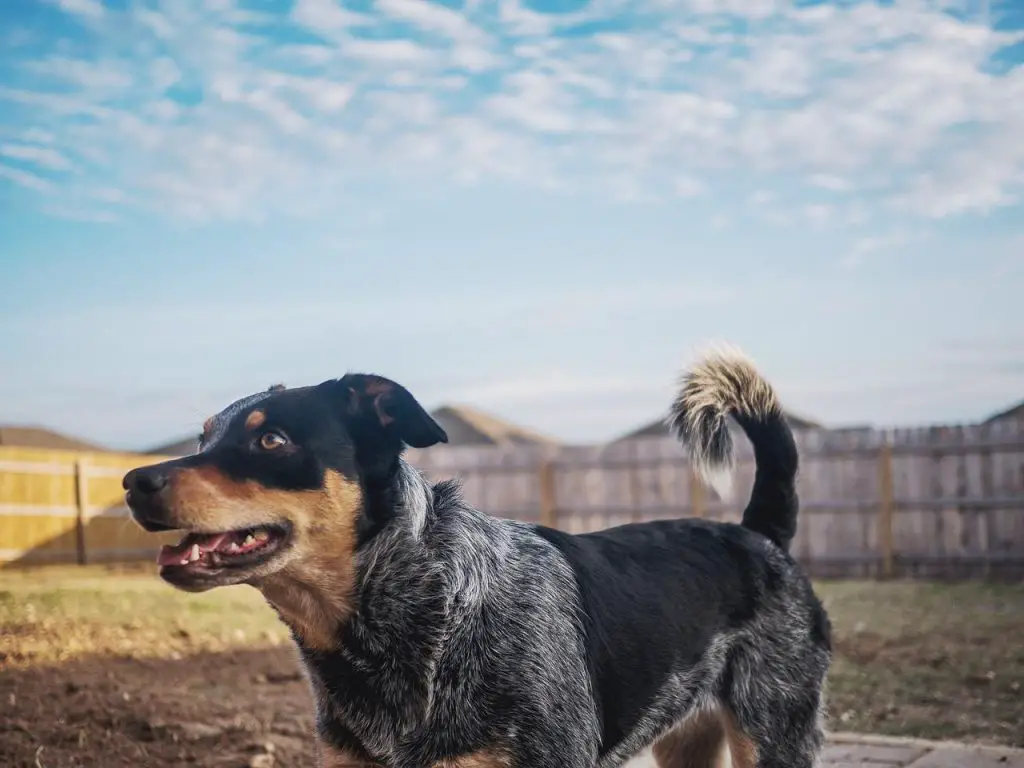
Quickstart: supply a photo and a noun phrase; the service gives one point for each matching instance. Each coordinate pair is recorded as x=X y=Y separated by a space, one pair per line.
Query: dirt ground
x=103 y=668
x=238 y=708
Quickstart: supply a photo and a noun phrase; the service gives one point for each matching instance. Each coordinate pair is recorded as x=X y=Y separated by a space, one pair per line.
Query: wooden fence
x=66 y=507
x=944 y=502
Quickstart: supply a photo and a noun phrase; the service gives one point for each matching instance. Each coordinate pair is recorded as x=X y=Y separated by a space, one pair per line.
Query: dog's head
x=279 y=480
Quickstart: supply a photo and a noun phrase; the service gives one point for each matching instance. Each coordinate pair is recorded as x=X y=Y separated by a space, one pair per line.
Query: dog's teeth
x=195 y=552
x=233 y=546
x=249 y=540
x=262 y=535
x=185 y=561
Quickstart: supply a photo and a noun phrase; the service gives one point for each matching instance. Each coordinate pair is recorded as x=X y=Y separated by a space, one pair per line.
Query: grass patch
x=53 y=615
x=939 y=661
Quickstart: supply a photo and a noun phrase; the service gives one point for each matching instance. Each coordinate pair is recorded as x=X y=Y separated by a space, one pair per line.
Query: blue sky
x=541 y=209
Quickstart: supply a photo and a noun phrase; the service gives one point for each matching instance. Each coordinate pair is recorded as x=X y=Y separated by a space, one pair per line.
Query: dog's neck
x=379 y=667
x=319 y=596
x=398 y=501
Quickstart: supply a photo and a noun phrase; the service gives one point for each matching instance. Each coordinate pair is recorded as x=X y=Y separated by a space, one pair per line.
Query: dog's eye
x=270 y=441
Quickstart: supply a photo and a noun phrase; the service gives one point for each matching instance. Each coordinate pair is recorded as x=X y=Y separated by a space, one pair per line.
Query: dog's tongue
x=182 y=551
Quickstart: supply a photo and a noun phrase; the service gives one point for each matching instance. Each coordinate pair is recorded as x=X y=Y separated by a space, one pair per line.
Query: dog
x=433 y=635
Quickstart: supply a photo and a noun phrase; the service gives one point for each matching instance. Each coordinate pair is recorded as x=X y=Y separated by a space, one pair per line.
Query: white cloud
x=106 y=194
x=521 y=20
x=545 y=386
x=688 y=186
x=326 y=16
x=818 y=214
x=900 y=102
x=779 y=71
x=88 y=8
x=535 y=101
x=155 y=22
x=25 y=179
x=43 y=157
x=829 y=182
x=37 y=136
x=431 y=17
x=872 y=245
x=392 y=51
x=110 y=77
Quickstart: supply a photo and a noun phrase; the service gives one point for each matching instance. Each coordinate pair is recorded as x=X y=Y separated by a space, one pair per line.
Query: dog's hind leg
x=700 y=742
x=777 y=727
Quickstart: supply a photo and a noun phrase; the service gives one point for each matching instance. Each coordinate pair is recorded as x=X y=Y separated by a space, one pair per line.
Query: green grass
x=53 y=614
x=913 y=659
x=928 y=660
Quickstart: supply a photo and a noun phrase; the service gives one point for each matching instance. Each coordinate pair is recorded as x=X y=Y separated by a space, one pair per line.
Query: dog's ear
x=381 y=412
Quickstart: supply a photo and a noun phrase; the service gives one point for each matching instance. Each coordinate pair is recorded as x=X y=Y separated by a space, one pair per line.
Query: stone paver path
x=854 y=750
x=851 y=750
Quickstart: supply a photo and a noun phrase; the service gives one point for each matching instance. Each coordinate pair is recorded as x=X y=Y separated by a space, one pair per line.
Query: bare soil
x=106 y=668
x=233 y=709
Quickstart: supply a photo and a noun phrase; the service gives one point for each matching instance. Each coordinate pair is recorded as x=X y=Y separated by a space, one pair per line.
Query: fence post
x=696 y=494
x=885 y=504
x=548 y=500
x=81 y=509
x=633 y=483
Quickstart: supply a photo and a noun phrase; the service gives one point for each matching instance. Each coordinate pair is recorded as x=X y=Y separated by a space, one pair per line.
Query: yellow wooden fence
x=61 y=506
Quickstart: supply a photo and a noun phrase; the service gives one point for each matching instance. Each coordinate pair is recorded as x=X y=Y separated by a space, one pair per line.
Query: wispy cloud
x=873 y=245
x=25 y=179
x=87 y=8
x=44 y=157
x=213 y=111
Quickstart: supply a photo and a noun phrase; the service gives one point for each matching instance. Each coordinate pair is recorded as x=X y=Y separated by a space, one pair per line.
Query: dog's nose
x=145 y=481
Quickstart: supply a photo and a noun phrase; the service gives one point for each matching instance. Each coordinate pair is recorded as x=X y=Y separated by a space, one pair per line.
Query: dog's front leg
x=332 y=757
x=482 y=759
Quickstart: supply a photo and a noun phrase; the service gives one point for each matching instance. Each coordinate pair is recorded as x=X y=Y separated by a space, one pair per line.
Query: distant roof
x=41 y=437
x=1013 y=412
x=469 y=426
x=658 y=427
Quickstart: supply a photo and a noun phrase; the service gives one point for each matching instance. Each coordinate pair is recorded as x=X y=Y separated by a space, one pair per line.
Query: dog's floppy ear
x=383 y=412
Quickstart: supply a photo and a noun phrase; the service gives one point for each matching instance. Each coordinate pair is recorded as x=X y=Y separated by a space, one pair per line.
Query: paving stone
x=954 y=757
x=871 y=754
x=878 y=753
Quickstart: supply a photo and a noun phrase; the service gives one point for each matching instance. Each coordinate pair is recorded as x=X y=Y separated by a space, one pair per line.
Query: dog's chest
x=365 y=706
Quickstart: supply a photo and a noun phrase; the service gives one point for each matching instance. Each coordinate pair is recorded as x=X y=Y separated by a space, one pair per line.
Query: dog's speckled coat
x=436 y=635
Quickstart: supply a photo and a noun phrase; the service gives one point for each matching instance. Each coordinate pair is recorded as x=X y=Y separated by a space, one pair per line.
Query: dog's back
x=701 y=631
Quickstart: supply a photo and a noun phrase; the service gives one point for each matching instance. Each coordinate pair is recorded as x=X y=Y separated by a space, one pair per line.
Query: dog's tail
x=726 y=383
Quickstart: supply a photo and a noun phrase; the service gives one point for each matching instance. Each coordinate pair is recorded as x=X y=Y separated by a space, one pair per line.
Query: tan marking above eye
x=270 y=441
x=255 y=419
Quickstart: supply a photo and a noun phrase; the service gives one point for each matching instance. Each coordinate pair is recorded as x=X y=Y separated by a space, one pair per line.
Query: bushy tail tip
x=724 y=382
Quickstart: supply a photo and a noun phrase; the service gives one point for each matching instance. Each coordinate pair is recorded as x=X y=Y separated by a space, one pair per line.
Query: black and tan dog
x=436 y=636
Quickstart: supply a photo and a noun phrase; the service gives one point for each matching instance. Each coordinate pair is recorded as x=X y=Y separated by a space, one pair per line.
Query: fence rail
x=944 y=502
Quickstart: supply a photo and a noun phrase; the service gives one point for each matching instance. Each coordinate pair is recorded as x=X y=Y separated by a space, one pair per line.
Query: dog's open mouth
x=205 y=552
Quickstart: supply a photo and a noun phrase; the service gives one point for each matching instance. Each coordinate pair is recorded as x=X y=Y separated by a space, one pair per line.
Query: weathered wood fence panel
x=929 y=503
x=942 y=502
